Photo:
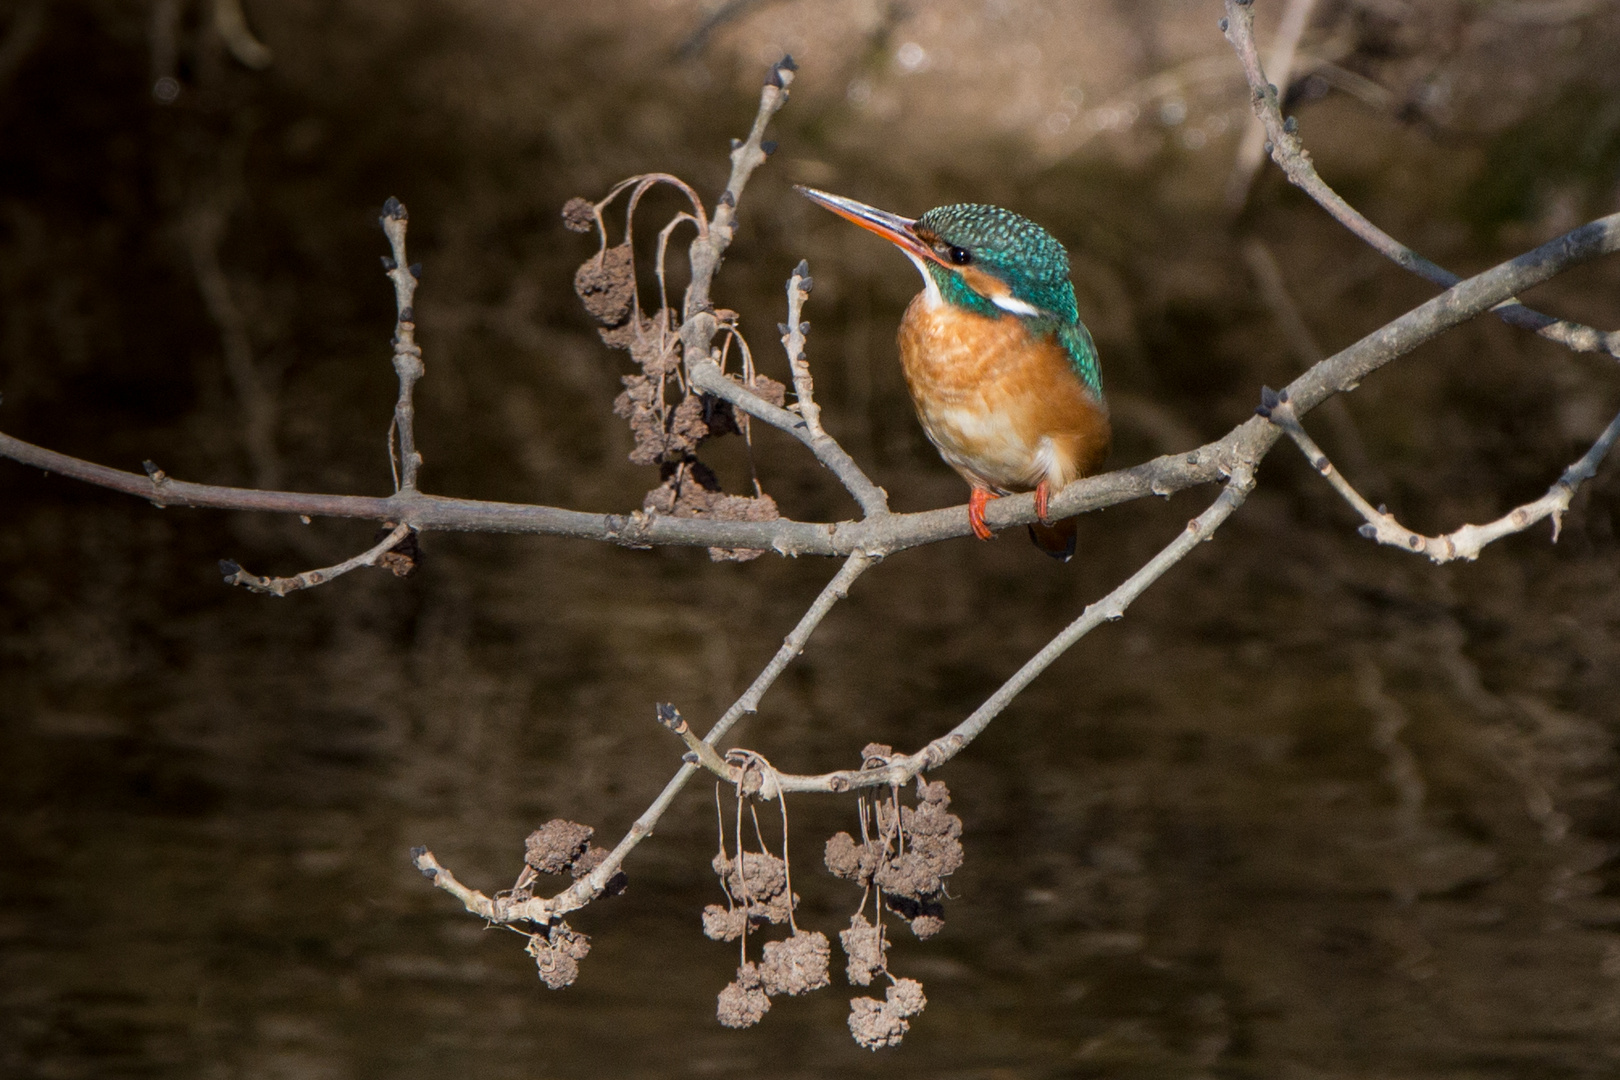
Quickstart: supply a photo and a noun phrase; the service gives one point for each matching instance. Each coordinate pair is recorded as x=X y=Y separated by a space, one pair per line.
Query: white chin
x=930 y=287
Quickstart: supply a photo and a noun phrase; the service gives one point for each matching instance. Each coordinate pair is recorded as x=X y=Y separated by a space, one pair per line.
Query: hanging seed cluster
x=757 y=894
x=903 y=859
x=668 y=420
x=901 y=864
x=906 y=854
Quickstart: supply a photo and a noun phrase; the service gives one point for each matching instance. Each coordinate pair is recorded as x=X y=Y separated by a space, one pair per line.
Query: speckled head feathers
x=1009 y=246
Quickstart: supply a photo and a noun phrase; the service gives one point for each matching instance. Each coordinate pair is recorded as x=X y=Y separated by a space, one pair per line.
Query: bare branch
x=701 y=752
x=699 y=325
x=882 y=535
x=793 y=332
x=706 y=376
x=407 y=354
x=475 y=901
x=903 y=769
x=281 y=586
x=1289 y=152
x=592 y=885
x=1466 y=542
x=1252 y=150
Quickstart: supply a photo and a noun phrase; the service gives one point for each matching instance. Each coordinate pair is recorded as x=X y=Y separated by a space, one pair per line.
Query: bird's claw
x=976 y=504
x=1043 y=499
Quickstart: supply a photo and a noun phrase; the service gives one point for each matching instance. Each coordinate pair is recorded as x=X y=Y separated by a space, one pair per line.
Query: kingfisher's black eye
x=959 y=256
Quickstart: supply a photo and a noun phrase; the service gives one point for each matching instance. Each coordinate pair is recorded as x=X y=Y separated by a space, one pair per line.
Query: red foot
x=976 y=504
x=1043 y=496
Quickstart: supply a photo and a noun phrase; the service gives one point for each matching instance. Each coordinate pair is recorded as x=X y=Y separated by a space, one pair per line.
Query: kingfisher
x=1003 y=373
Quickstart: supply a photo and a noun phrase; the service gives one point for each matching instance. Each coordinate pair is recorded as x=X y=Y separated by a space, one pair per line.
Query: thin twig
x=701 y=752
x=281 y=586
x=592 y=885
x=698 y=325
x=1289 y=152
x=706 y=376
x=1466 y=542
x=1252 y=150
x=902 y=769
x=793 y=332
x=407 y=354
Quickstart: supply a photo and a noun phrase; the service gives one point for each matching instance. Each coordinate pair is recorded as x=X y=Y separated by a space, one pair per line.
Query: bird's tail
x=1056 y=539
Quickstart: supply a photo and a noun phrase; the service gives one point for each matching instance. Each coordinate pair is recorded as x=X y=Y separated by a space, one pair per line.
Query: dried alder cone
x=666 y=435
x=557 y=953
x=755 y=883
x=560 y=847
x=906 y=855
x=909 y=858
x=876 y=1024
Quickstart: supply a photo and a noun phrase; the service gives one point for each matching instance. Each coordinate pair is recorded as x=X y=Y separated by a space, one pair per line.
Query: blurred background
x=1314 y=808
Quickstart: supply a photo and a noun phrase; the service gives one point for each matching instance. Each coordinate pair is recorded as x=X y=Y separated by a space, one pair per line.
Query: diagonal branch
x=1110 y=608
x=1252 y=151
x=705 y=375
x=1466 y=542
x=592 y=885
x=1289 y=152
x=1274 y=292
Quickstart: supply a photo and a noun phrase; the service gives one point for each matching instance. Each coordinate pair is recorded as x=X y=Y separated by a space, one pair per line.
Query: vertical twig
x=793 y=332
x=407 y=354
x=698 y=325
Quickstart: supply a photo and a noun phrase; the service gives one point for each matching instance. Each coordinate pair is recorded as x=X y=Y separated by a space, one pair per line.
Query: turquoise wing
x=1076 y=341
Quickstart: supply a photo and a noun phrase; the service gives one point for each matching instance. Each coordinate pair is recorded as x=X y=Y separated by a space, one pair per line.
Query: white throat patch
x=930 y=288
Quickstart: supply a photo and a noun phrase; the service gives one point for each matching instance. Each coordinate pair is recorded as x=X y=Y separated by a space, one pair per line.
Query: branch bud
x=1268 y=401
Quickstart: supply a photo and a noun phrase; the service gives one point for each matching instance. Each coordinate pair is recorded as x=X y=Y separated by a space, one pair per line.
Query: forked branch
x=1288 y=151
x=1464 y=543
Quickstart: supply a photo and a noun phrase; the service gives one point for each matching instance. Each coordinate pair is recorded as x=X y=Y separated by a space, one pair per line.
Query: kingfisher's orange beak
x=899 y=231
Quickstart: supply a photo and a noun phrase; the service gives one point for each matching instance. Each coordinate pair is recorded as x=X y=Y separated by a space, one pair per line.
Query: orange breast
x=1005 y=410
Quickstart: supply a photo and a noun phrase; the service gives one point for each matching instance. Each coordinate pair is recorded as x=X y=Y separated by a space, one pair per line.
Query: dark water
x=1312 y=809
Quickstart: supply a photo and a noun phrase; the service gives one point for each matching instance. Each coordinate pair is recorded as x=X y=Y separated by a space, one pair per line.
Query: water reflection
x=1310 y=809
